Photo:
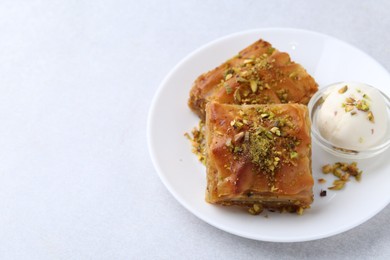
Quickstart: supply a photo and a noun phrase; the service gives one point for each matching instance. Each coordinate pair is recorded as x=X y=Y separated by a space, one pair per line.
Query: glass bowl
x=315 y=105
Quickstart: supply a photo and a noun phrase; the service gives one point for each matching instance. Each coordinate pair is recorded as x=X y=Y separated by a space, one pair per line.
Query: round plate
x=328 y=60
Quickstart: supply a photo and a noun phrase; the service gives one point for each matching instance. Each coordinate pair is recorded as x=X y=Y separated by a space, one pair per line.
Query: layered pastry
x=259 y=74
x=259 y=156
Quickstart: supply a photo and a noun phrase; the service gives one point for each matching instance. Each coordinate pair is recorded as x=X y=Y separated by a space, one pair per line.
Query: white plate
x=328 y=60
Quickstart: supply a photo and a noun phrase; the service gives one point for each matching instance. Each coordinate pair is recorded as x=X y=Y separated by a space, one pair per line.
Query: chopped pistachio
x=256 y=209
x=253 y=84
x=228 y=71
x=343 y=166
x=358 y=177
x=241 y=80
x=246 y=92
x=293 y=74
x=237 y=96
x=300 y=211
x=246 y=61
x=260 y=151
x=264 y=115
x=293 y=155
x=245 y=73
x=343 y=172
x=349 y=108
x=337 y=185
x=269 y=135
x=370 y=117
x=275 y=130
x=345 y=177
x=352 y=167
x=282 y=94
x=228 y=88
x=343 y=89
x=228 y=76
x=271 y=115
x=237 y=149
x=236 y=124
x=327 y=168
x=362 y=105
x=337 y=172
x=198 y=142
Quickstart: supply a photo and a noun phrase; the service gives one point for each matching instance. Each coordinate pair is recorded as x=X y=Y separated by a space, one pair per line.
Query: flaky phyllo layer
x=259 y=74
x=259 y=154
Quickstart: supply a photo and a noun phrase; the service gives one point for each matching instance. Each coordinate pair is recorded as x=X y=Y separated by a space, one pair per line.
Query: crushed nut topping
x=198 y=142
x=228 y=88
x=256 y=209
x=343 y=171
x=352 y=105
x=300 y=211
x=253 y=85
x=257 y=140
x=228 y=76
x=247 y=77
x=343 y=89
x=370 y=117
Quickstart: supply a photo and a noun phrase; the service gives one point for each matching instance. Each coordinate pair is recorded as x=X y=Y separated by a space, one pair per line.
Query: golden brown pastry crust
x=259 y=154
x=259 y=74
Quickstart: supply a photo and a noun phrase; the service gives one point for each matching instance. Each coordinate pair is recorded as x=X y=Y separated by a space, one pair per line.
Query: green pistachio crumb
x=228 y=88
x=343 y=89
x=293 y=155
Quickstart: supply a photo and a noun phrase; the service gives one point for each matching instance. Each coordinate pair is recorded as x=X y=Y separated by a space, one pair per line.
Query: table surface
x=77 y=81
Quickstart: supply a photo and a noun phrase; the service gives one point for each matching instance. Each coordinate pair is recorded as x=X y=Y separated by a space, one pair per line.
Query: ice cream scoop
x=352 y=116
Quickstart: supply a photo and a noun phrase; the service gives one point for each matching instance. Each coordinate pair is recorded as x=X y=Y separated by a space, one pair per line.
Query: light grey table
x=76 y=82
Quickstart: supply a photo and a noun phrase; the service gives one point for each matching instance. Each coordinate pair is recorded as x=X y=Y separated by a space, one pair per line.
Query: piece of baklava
x=259 y=156
x=259 y=74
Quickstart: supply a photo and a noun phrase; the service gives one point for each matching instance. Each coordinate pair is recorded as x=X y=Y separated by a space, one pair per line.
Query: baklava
x=259 y=74
x=259 y=156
